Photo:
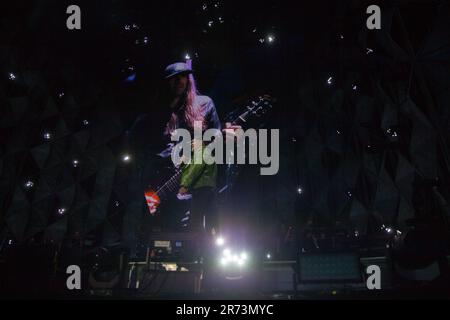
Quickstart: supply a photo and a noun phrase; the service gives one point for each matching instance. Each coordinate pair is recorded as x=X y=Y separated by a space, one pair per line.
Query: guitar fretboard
x=170 y=186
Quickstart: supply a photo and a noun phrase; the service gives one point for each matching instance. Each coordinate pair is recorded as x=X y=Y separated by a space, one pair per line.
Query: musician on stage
x=179 y=106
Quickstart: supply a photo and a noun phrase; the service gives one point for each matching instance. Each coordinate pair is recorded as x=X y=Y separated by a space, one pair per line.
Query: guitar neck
x=170 y=185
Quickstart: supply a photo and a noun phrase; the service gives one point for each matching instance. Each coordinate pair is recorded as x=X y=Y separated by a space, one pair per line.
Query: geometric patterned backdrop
x=358 y=131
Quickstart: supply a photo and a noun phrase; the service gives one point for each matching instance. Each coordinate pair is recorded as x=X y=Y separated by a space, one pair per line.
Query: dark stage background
x=363 y=115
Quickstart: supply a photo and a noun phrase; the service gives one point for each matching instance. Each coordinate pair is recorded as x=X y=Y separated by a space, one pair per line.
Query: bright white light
x=330 y=80
x=338 y=132
x=210 y=23
x=224 y=261
x=389 y=230
x=11 y=76
x=268 y=256
x=240 y=262
x=342 y=37
x=47 y=135
x=29 y=184
x=369 y=51
x=61 y=210
x=75 y=163
x=235 y=258
x=10 y=242
x=227 y=252
x=299 y=190
x=355 y=87
x=187 y=56
x=85 y=122
x=126 y=158
x=220 y=241
x=244 y=256
x=61 y=94
x=270 y=39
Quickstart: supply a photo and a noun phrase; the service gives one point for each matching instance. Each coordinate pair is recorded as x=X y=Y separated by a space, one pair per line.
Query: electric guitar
x=169 y=186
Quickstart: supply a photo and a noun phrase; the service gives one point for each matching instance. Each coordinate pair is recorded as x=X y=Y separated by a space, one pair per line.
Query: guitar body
x=166 y=189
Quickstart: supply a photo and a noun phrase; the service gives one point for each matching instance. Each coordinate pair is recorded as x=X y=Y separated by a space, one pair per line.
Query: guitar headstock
x=261 y=105
x=257 y=108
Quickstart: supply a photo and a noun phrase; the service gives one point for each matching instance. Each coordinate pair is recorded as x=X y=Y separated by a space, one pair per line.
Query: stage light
x=126 y=158
x=341 y=36
x=61 y=94
x=231 y=259
x=29 y=184
x=330 y=80
x=389 y=230
x=338 y=132
x=244 y=255
x=210 y=23
x=75 y=163
x=355 y=87
x=61 y=211
x=11 y=76
x=47 y=135
x=204 y=7
x=85 y=122
x=368 y=50
x=187 y=56
x=224 y=261
x=261 y=40
x=221 y=20
x=268 y=256
x=299 y=191
x=220 y=241
x=270 y=38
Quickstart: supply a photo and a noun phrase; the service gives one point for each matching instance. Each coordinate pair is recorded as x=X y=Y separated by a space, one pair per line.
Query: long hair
x=188 y=109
